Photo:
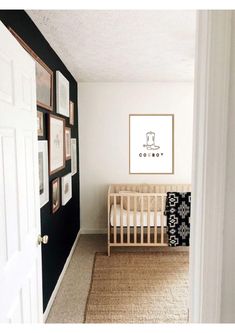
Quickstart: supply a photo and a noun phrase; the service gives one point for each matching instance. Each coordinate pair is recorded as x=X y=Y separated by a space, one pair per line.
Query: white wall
x=228 y=284
x=104 y=133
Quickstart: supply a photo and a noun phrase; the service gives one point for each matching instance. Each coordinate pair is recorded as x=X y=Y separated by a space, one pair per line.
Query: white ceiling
x=121 y=45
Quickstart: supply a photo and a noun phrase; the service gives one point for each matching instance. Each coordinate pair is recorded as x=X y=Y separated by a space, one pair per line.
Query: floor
x=70 y=302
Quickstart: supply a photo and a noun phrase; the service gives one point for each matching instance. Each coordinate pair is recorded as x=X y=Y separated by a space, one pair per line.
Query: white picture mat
x=66 y=181
x=44 y=181
x=73 y=156
x=62 y=94
x=56 y=144
x=162 y=126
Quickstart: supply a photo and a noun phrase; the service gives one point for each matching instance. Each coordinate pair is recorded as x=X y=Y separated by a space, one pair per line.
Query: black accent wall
x=61 y=227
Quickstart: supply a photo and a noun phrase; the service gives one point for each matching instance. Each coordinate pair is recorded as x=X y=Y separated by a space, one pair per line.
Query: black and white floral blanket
x=178 y=205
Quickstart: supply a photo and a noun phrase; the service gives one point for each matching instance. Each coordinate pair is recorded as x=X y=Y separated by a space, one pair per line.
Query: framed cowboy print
x=151 y=143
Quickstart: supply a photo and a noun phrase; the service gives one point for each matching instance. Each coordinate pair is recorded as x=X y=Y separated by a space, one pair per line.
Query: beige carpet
x=70 y=302
x=138 y=288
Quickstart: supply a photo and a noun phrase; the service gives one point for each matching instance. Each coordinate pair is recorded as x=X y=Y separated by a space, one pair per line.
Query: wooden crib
x=136 y=214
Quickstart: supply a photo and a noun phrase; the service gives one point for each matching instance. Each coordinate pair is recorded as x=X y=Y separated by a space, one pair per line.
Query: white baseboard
x=84 y=231
x=55 y=291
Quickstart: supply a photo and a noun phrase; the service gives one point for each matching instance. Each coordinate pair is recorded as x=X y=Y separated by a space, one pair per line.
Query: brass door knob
x=43 y=239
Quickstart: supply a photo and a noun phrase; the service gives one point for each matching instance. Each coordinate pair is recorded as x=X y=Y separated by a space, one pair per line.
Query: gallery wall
x=104 y=136
x=61 y=227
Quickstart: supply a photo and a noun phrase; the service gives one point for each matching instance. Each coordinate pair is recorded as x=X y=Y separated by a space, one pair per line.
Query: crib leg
x=108 y=250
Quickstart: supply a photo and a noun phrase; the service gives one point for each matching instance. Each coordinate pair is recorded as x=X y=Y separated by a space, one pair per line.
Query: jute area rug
x=139 y=288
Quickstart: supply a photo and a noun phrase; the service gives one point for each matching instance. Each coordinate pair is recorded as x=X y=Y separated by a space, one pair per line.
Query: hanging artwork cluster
x=52 y=157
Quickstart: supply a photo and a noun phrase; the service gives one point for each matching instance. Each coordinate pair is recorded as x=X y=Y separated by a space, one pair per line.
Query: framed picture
x=55 y=195
x=62 y=94
x=44 y=77
x=40 y=123
x=66 y=188
x=67 y=143
x=71 y=113
x=43 y=172
x=151 y=144
x=56 y=143
x=73 y=156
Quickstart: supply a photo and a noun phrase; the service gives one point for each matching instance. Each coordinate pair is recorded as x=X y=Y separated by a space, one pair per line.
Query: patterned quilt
x=178 y=205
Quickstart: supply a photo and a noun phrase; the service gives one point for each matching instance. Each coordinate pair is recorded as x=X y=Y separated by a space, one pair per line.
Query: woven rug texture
x=139 y=288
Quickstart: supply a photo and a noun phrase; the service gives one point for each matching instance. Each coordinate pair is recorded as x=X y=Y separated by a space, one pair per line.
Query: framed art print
x=44 y=86
x=71 y=113
x=43 y=172
x=44 y=77
x=73 y=156
x=151 y=144
x=66 y=188
x=40 y=123
x=56 y=143
x=62 y=94
x=67 y=143
x=55 y=195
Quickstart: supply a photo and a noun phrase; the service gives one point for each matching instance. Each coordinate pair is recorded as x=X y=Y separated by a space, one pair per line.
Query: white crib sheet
x=131 y=218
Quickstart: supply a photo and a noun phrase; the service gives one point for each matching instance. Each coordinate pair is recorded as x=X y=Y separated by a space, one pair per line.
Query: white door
x=20 y=256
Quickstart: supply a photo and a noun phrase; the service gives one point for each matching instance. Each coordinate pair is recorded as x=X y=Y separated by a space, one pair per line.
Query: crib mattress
x=131 y=218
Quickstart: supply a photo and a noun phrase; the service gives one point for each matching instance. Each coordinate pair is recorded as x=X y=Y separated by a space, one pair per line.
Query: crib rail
x=146 y=206
x=141 y=221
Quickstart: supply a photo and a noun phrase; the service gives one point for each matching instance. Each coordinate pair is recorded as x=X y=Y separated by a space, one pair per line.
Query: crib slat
x=114 y=220
x=141 y=220
x=148 y=219
x=155 y=219
x=121 y=220
x=128 y=219
x=135 y=231
x=162 y=226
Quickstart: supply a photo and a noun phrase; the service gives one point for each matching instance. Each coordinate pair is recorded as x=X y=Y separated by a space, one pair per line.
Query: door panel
x=15 y=315
x=8 y=195
x=6 y=85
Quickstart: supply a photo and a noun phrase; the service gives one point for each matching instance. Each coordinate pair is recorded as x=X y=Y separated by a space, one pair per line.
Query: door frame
x=211 y=105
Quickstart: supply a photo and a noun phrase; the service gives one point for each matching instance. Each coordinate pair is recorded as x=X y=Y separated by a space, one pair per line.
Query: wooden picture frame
x=73 y=156
x=71 y=113
x=40 y=123
x=66 y=188
x=55 y=194
x=151 y=144
x=44 y=77
x=67 y=143
x=56 y=134
x=43 y=172
x=62 y=94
